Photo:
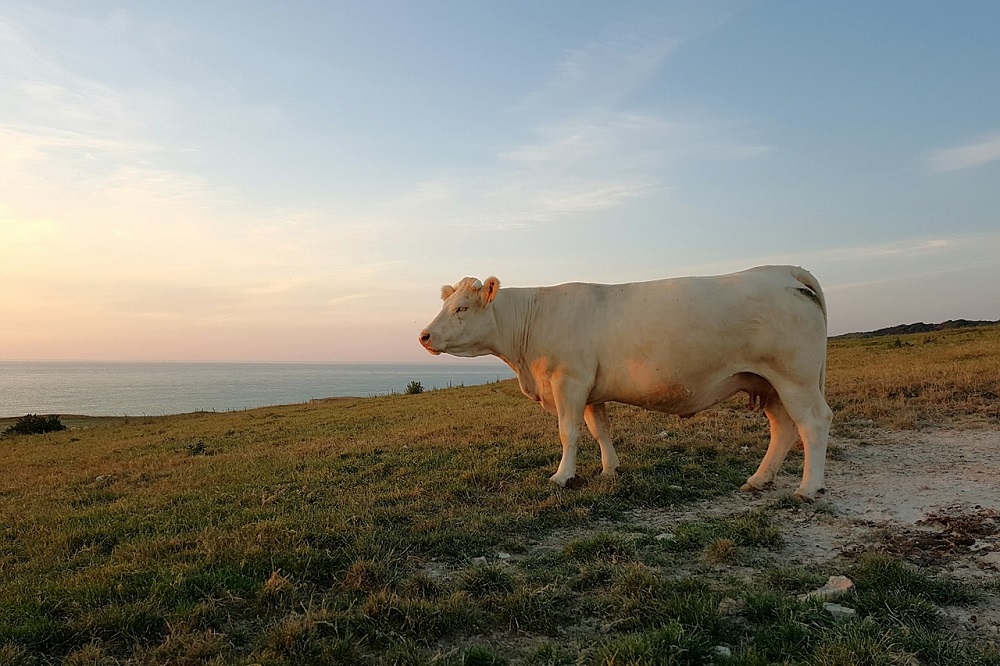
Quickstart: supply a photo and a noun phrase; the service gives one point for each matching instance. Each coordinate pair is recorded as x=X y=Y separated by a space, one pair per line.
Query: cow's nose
x=425 y=337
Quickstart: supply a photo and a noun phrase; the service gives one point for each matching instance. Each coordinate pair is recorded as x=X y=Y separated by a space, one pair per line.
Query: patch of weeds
x=482 y=656
x=604 y=547
x=12 y=655
x=485 y=581
x=932 y=648
x=863 y=642
x=882 y=580
x=423 y=586
x=545 y=609
x=367 y=575
x=196 y=449
x=590 y=576
x=552 y=655
x=783 y=628
x=277 y=587
x=752 y=529
x=720 y=551
x=388 y=615
x=187 y=646
x=312 y=638
x=669 y=644
x=92 y=654
x=794 y=580
x=645 y=601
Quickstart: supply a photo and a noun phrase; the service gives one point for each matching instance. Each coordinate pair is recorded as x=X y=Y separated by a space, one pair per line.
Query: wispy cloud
x=966 y=156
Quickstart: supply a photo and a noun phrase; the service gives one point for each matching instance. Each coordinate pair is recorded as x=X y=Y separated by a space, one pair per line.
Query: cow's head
x=465 y=326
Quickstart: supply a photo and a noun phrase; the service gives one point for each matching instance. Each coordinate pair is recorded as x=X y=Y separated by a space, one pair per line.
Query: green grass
x=345 y=532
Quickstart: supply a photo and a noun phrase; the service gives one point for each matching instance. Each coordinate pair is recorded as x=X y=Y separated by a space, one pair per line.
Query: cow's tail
x=809 y=281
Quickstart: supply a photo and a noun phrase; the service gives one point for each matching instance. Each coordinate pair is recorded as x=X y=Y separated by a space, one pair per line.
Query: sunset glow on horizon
x=294 y=182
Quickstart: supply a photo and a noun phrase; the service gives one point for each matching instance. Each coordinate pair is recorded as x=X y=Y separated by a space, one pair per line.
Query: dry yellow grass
x=949 y=378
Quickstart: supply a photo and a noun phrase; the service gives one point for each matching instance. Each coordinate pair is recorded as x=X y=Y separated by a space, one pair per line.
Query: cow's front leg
x=570 y=408
x=597 y=420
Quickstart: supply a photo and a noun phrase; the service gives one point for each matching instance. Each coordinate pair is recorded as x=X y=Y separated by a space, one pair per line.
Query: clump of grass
x=720 y=551
x=484 y=581
x=605 y=547
x=752 y=530
x=672 y=643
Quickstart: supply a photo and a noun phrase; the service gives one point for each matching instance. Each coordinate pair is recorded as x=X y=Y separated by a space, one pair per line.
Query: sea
x=155 y=389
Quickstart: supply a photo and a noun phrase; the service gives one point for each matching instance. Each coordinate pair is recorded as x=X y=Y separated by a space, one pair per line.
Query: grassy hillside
x=420 y=529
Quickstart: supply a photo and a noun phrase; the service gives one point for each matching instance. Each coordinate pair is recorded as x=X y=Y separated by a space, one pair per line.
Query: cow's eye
x=461 y=308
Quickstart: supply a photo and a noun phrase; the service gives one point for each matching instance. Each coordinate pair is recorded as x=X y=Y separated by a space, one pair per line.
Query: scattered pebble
x=666 y=536
x=836 y=587
x=722 y=651
x=479 y=561
x=839 y=611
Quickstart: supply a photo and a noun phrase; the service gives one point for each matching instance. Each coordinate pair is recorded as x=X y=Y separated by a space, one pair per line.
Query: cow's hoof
x=808 y=497
x=611 y=474
x=556 y=480
x=753 y=487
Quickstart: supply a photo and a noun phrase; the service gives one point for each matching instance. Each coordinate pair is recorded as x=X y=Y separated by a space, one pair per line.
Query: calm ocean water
x=153 y=389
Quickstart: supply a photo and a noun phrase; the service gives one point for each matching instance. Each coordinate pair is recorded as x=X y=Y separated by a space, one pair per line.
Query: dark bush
x=32 y=424
x=414 y=387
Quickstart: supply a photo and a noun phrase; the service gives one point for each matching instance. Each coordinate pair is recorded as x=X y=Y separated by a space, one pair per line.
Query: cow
x=677 y=345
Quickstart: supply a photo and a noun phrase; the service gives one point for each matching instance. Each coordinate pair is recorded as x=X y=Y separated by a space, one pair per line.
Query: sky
x=294 y=181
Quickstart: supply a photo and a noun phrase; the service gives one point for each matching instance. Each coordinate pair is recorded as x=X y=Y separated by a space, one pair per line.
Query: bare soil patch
x=929 y=497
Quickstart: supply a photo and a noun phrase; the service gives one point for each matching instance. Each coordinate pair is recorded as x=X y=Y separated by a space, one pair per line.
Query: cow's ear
x=446 y=292
x=490 y=289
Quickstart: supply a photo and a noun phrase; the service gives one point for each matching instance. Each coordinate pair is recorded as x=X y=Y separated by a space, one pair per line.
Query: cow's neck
x=514 y=311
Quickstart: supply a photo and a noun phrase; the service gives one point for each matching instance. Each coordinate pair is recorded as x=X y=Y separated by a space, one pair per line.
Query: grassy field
x=415 y=529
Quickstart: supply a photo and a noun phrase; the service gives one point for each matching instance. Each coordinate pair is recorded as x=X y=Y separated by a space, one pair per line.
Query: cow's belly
x=683 y=396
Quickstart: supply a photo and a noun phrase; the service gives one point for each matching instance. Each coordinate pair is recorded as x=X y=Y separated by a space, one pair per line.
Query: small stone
x=479 y=561
x=503 y=556
x=838 y=611
x=722 y=652
x=836 y=587
x=666 y=536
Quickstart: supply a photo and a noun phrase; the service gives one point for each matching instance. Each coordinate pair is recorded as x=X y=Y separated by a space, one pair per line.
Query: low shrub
x=32 y=424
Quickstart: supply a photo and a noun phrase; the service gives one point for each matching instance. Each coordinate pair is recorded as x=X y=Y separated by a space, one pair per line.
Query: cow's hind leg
x=812 y=417
x=597 y=420
x=782 y=437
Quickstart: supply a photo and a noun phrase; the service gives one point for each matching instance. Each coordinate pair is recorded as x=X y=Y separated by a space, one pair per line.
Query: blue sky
x=294 y=181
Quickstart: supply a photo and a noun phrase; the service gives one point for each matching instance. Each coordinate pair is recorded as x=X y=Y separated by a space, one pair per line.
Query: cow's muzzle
x=425 y=341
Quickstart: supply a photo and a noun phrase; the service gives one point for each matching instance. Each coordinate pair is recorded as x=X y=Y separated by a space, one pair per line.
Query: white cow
x=677 y=346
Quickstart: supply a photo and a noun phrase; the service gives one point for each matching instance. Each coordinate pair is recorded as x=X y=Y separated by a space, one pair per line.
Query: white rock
x=666 y=536
x=503 y=556
x=839 y=611
x=479 y=561
x=722 y=651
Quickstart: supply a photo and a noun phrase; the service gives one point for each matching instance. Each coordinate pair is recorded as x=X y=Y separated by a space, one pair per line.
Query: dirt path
x=932 y=498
